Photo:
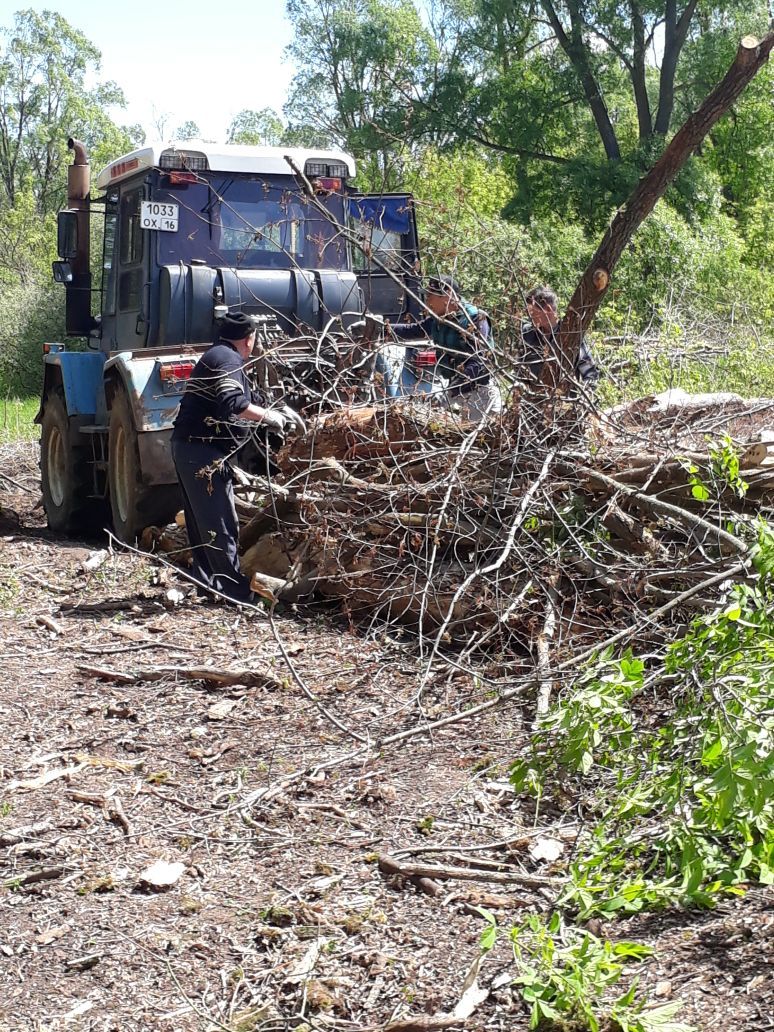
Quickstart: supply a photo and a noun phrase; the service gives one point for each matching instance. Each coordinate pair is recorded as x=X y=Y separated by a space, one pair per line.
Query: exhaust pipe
x=78 y=316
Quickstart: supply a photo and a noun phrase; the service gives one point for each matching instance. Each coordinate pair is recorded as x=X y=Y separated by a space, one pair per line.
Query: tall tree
x=578 y=96
x=599 y=42
x=357 y=61
x=257 y=128
x=45 y=65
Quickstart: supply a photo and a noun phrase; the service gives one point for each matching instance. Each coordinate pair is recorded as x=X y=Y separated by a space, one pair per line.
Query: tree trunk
x=575 y=49
x=750 y=57
x=675 y=33
x=637 y=71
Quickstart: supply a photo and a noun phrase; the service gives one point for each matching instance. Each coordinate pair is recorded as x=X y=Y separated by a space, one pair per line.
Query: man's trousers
x=210 y=517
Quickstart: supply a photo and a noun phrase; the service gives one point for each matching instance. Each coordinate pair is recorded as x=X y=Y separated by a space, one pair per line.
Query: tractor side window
x=108 y=257
x=131 y=234
x=381 y=226
x=131 y=249
x=382 y=244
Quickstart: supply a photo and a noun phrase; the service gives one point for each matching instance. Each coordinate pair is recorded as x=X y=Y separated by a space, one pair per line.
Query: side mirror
x=63 y=272
x=67 y=233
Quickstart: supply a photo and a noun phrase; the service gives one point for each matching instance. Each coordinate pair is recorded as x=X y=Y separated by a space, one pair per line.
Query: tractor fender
x=153 y=404
x=79 y=374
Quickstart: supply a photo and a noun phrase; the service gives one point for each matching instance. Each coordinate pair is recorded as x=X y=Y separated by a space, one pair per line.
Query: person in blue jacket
x=213 y=423
x=458 y=349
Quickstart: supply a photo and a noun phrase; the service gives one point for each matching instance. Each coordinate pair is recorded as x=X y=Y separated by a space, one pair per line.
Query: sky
x=181 y=61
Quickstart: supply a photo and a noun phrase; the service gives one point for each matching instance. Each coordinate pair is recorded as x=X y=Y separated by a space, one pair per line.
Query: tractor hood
x=300 y=300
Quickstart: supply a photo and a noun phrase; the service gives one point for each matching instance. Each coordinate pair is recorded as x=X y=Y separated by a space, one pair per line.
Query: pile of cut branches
x=518 y=536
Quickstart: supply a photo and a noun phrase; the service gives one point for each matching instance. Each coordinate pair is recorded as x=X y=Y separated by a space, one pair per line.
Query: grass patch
x=16 y=420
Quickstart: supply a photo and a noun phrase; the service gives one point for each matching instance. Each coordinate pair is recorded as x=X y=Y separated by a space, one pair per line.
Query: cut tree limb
x=683 y=516
x=46 y=874
x=543 y=646
x=389 y=865
x=426 y=1023
x=637 y=626
x=210 y=675
x=751 y=56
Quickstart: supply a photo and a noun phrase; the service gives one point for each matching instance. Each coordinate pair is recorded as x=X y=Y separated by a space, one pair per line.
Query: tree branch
x=593 y=285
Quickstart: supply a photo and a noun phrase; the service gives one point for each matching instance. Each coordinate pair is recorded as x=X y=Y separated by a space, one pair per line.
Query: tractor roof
x=223 y=157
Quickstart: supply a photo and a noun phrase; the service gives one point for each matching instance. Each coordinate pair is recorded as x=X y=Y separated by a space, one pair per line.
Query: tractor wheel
x=125 y=487
x=134 y=505
x=65 y=474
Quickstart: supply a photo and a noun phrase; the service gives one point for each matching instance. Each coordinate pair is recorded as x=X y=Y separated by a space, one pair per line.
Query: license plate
x=159 y=215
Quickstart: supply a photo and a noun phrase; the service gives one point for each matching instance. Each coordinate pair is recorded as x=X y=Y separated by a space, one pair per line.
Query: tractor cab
x=189 y=233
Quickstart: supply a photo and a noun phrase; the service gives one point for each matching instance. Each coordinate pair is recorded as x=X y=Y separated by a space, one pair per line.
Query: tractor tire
x=124 y=484
x=66 y=479
x=133 y=504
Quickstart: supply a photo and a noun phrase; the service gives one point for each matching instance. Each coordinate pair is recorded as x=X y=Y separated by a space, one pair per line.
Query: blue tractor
x=190 y=232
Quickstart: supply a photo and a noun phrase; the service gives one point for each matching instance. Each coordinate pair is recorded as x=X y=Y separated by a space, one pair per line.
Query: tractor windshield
x=251 y=222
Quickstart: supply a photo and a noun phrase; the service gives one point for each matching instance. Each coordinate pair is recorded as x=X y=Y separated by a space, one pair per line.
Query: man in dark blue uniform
x=212 y=425
x=540 y=340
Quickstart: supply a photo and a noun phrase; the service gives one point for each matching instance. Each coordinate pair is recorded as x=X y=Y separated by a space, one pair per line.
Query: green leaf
x=637 y=950
x=489 y=935
x=712 y=752
x=700 y=492
x=660 y=1019
x=547 y=1011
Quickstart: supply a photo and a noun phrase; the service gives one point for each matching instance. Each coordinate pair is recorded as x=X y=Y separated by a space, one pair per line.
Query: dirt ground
x=268 y=795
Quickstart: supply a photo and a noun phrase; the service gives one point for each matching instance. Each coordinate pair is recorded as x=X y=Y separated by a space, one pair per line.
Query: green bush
x=29 y=315
x=680 y=804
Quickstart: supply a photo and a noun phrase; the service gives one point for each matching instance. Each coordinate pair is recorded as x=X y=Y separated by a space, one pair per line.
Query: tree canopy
x=577 y=97
x=45 y=68
x=519 y=124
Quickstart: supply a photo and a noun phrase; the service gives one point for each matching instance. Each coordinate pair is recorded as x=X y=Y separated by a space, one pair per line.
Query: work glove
x=274 y=420
x=293 y=420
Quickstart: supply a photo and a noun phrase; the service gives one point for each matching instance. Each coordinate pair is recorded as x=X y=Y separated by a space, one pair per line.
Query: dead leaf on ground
x=78 y=1010
x=130 y=633
x=50 y=624
x=94 y=560
x=120 y=711
x=304 y=968
x=472 y=993
x=50 y=935
x=220 y=710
